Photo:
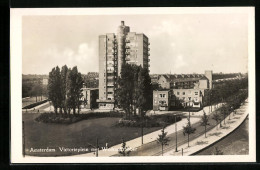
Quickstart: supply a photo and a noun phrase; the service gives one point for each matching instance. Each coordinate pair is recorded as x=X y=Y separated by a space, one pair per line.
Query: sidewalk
x=213 y=135
x=36 y=107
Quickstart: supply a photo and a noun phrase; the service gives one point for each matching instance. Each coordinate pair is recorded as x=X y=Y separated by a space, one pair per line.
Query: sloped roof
x=183 y=77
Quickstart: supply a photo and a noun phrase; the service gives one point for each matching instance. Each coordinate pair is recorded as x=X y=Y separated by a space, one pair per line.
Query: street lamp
x=176 y=149
x=230 y=113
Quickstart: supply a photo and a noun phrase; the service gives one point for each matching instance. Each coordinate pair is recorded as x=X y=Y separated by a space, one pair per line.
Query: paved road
x=153 y=148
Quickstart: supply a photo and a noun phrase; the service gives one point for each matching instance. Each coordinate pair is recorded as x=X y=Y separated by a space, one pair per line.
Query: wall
x=208 y=74
x=163 y=83
x=161 y=96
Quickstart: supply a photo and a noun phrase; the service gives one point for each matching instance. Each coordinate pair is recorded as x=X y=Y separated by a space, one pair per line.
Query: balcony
x=127 y=47
x=127 y=41
x=110 y=71
x=127 y=53
x=148 y=49
x=110 y=80
x=148 y=54
x=127 y=59
x=148 y=43
x=110 y=65
x=110 y=84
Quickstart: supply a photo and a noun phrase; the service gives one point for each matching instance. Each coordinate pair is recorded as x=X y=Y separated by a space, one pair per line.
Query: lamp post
x=97 y=148
x=232 y=111
x=176 y=149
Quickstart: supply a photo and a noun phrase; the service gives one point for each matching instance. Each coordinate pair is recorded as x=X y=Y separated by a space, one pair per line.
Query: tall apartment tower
x=114 y=51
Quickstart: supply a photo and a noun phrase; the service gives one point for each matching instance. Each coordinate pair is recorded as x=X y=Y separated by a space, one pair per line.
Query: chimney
x=122 y=23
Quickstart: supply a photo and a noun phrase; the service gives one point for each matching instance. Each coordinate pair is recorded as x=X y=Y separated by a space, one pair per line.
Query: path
x=214 y=134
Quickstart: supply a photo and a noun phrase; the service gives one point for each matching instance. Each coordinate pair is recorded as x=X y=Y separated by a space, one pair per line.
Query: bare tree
x=188 y=130
x=205 y=121
x=163 y=139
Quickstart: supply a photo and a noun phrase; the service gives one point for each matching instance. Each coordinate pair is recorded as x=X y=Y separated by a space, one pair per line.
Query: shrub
x=149 y=121
x=69 y=118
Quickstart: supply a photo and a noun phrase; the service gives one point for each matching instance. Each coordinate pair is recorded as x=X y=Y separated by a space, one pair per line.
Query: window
x=189 y=98
x=183 y=93
x=178 y=93
x=109 y=92
x=196 y=93
x=162 y=96
x=162 y=102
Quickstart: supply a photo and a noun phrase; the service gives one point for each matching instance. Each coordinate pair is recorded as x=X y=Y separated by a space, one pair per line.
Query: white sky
x=180 y=43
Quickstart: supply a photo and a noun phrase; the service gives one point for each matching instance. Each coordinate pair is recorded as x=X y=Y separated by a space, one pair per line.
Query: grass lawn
x=80 y=134
x=236 y=143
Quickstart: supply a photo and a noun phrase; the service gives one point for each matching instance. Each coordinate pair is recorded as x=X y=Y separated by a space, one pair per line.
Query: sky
x=179 y=43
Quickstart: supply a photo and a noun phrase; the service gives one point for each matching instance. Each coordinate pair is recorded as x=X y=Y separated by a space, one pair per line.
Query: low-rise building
x=178 y=98
x=185 y=81
x=161 y=99
x=89 y=98
x=187 y=98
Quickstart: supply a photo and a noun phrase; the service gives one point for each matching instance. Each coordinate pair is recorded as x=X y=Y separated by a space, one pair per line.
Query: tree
x=205 y=121
x=36 y=90
x=75 y=83
x=163 y=139
x=54 y=85
x=217 y=118
x=125 y=90
x=124 y=150
x=64 y=88
x=188 y=129
x=134 y=89
x=224 y=112
x=78 y=90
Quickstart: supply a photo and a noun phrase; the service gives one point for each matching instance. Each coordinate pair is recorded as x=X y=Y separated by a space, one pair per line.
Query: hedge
x=70 y=118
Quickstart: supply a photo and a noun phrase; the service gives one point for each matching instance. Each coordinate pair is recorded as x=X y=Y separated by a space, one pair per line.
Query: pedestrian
x=106 y=145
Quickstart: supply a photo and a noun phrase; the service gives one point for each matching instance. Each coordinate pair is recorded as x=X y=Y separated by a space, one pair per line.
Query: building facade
x=114 y=51
x=178 y=98
x=161 y=99
x=185 y=81
x=89 y=98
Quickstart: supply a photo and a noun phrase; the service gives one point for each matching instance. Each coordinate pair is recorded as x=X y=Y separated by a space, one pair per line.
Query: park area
x=82 y=134
x=31 y=100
